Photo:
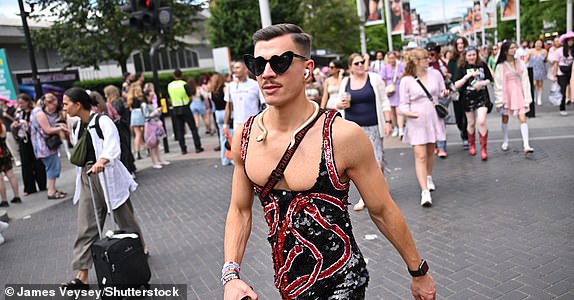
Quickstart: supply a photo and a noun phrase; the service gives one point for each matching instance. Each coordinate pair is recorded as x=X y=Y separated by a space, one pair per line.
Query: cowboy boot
x=483 y=152
x=471 y=143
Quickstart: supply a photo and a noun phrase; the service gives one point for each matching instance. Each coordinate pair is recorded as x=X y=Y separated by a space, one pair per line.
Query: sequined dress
x=314 y=252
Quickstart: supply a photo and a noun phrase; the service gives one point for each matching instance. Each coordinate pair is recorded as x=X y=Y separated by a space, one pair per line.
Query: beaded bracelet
x=229 y=272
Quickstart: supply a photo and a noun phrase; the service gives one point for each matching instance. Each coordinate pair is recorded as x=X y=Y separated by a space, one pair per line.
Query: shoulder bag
x=391 y=89
x=441 y=110
x=80 y=150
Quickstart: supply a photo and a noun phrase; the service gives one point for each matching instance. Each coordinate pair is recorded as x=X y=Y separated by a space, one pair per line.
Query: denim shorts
x=197 y=108
x=53 y=166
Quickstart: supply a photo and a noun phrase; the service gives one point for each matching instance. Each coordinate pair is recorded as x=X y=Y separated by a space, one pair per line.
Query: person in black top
x=112 y=95
x=216 y=88
x=458 y=47
x=33 y=170
x=472 y=79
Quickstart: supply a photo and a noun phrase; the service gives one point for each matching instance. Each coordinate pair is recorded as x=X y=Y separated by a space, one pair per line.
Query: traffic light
x=147 y=15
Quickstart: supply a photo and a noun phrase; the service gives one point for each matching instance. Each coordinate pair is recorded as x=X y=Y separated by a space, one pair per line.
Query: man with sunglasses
x=314 y=252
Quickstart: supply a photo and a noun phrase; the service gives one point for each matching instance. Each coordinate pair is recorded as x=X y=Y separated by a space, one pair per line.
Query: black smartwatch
x=421 y=271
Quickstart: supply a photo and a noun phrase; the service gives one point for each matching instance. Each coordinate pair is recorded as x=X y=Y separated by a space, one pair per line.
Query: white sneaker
x=157 y=166
x=401 y=132
x=165 y=162
x=1 y=239
x=3 y=226
x=18 y=163
x=504 y=147
x=563 y=113
x=395 y=131
x=430 y=184
x=360 y=205
x=426 y=199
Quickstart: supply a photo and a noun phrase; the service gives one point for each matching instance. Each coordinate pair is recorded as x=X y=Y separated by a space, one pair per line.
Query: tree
x=87 y=33
x=377 y=39
x=233 y=22
x=532 y=16
x=333 y=24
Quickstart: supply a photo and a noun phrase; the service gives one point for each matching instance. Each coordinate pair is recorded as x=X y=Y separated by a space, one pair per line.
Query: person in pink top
x=512 y=92
x=423 y=127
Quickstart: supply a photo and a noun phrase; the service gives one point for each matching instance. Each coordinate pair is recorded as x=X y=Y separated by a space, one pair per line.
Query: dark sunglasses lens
x=280 y=64
x=250 y=63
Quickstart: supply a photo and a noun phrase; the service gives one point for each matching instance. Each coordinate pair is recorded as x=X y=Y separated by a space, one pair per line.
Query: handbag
x=391 y=89
x=441 y=110
x=53 y=141
x=80 y=150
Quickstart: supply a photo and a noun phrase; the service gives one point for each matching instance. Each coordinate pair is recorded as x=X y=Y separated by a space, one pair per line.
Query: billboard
x=476 y=16
x=221 y=60
x=372 y=12
x=52 y=82
x=489 y=14
x=6 y=86
x=397 y=17
x=508 y=10
x=408 y=26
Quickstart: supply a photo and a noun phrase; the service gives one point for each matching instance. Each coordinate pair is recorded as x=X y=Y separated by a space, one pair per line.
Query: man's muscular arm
x=238 y=224
x=360 y=166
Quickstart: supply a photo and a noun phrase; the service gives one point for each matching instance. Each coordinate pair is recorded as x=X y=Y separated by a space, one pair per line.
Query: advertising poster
x=466 y=23
x=372 y=12
x=52 y=82
x=476 y=16
x=489 y=14
x=6 y=86
x=408 y=26
x=508 y=10
x=416 y=30
x=397 y=18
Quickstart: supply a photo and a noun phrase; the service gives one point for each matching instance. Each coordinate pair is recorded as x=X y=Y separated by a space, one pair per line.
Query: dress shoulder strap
x=245 y=136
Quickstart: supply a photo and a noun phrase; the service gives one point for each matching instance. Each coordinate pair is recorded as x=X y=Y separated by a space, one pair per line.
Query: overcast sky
x=438 y=10
x=430 y=10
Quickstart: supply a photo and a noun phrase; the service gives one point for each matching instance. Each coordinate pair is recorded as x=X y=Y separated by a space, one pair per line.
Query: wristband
x=229 y=272
x=389 y=122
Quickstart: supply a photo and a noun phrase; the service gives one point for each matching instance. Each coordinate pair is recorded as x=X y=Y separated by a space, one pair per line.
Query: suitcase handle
x=108 y=205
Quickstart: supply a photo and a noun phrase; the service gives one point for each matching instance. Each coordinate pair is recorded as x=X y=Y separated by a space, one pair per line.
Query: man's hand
x=99 y=166
x=237 y=289
x=423 y=288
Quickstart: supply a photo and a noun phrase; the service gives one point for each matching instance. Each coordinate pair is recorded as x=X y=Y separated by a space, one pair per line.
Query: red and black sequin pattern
x=314 y=251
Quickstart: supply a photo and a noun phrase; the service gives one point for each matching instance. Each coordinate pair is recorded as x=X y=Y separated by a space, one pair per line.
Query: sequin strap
x=245 y=137
x=277 y=173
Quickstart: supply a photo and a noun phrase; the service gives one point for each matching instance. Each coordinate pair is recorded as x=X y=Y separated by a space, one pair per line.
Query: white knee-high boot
x=525 y=138
x=504 y=127
x=539 y=97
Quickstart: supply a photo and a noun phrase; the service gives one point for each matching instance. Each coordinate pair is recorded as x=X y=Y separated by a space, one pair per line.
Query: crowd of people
x=404 y=95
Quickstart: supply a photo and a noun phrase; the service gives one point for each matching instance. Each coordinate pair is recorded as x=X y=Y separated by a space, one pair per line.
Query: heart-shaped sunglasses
x=279 y=63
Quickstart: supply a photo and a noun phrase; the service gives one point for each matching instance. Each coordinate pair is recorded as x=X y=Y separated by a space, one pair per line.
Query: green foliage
x=532 y=15
x=88 y=32
x=233 y=22
x=377 y=39
x=164 y=79
x=333 y=24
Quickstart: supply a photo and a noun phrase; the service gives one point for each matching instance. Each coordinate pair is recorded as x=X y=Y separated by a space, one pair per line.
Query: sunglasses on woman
x=361 y=62
x=279 y=63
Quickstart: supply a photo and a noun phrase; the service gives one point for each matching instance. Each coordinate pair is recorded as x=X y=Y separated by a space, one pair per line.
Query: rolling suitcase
x=119 y=258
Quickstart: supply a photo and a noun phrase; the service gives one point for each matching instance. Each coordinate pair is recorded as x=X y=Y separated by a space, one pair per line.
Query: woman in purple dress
x=392 y=76
x=424 y=127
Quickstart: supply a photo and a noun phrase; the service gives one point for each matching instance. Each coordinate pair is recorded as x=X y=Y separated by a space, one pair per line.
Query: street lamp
x=24 y=14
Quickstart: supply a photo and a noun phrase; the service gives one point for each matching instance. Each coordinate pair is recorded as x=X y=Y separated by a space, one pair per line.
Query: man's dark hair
x=300 y=38
x=177 y=73
x=78 y=94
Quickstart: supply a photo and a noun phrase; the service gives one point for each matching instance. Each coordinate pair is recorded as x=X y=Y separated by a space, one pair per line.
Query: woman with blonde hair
x=216 y=88
x=134 y=102
x=420 y=89
x=112 y=95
